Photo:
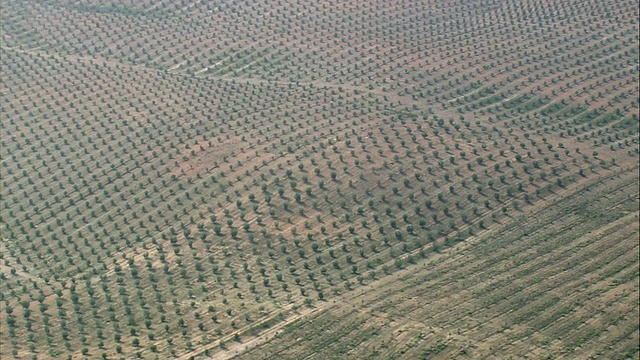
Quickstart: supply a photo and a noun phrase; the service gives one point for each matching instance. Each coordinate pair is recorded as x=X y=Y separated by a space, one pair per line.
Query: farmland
x=511 y=292
x=397 y=179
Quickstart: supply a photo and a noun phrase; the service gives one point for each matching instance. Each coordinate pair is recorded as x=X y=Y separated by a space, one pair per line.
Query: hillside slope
x=178 y=178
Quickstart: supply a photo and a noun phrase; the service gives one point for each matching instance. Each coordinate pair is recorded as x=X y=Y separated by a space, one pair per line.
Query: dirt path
x=394 y=98
x=234 y=349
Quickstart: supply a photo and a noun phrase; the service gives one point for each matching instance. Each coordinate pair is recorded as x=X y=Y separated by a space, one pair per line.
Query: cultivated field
x=280 y=179
x=554 y=282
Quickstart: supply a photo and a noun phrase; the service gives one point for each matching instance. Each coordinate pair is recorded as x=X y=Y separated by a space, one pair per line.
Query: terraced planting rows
x=180 y=178
x=563 y=286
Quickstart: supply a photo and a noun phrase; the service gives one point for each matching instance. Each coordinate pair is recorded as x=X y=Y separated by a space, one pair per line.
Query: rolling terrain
x=294 y=179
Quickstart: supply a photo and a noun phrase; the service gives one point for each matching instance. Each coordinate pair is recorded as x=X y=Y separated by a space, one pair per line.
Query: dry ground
x=560 y=281
x=287 y=179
